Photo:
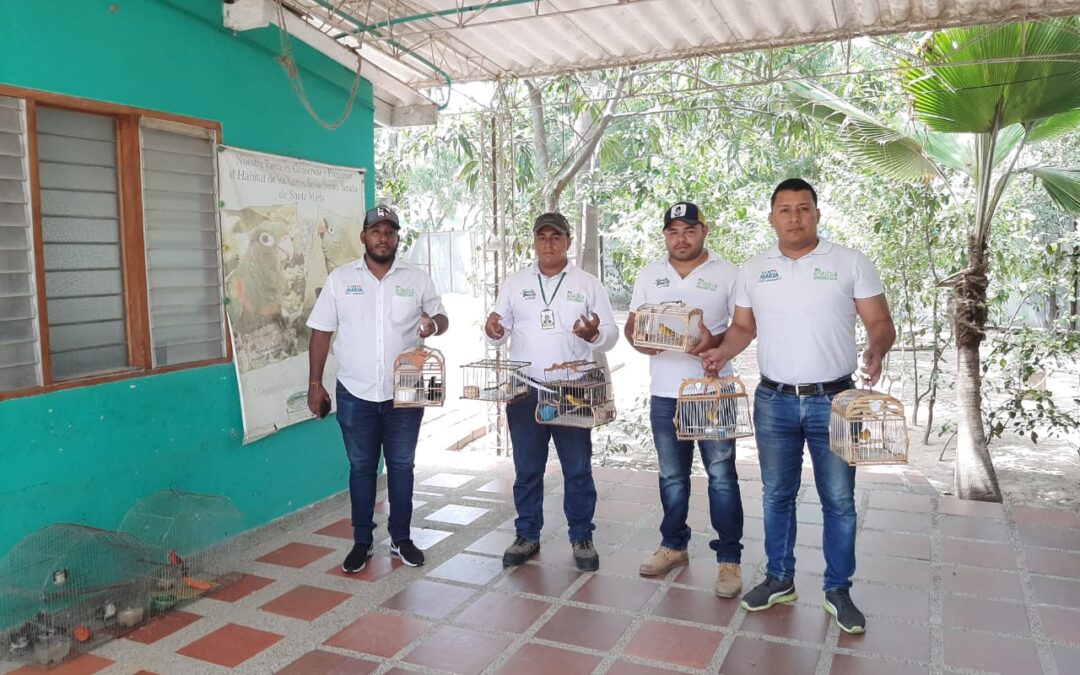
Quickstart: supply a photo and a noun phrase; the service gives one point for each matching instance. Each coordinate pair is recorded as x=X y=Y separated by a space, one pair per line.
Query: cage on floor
x=575 y=394
x=419 y=378
x=495 y=380
x=713 y=408
x=867 y=427
x=66 y=588
x=669 y=326
x=191 y=542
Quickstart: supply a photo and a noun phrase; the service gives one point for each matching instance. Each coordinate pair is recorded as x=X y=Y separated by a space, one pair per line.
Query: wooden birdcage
x=495 y=380
x=575 y=394
x=670 y=326
x=867 y=427
x=712 y=409
x=419 y=378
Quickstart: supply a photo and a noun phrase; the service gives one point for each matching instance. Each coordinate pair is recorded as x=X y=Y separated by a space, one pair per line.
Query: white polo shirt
x=374 y=321
x=709 y=287
x=805 y=310
x=521 y=302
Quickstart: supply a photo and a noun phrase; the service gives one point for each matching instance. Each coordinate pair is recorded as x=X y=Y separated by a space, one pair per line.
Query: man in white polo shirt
x=801 y=299
x=551 y=312
x=379 y=306
x=701 y=280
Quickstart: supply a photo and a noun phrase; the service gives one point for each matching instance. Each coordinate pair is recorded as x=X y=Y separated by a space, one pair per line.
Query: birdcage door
x=713 y=409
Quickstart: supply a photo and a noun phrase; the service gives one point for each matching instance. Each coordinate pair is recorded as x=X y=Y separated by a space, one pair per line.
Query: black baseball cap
x=381 y=214
x=556 y=220
x=684 y=211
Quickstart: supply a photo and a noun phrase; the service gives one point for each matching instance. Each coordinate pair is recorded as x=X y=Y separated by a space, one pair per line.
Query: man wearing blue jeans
x=801 y=299
x=379 y=307
x=700 y=280
x=551 y=312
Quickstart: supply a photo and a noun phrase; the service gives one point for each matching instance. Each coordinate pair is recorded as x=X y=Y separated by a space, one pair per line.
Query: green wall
x=86 y=454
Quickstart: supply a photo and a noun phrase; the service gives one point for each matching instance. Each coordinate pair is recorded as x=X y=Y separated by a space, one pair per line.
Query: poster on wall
x=285 y=224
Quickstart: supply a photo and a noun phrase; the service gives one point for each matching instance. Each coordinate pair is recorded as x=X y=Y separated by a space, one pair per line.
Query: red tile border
x=241 y=588
x=306 y=603
x=378 y=634
x=328 y=663
x=751 y=656
x=534 y=659
x=675 y=644
x=162 y=626
x=295 y=555
x=230 y=645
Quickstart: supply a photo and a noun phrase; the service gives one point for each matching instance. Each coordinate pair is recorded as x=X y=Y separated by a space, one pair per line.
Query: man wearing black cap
x=701 y=280
x=379 y=306
x=551 y=312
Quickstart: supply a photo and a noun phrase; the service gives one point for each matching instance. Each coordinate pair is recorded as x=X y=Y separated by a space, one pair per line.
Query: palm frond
x=1062 y=184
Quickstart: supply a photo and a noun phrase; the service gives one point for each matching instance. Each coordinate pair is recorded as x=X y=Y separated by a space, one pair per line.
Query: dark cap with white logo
x=381 y=214
x=684 y=211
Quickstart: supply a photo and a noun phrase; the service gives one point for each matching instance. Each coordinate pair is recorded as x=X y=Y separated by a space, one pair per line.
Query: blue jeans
x=370 y=429
x=725 y=501
x=783 y=423
x=574 y=446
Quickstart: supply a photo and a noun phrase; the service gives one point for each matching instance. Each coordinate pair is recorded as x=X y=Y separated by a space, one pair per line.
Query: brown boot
x=663 y=561
x=728 y=580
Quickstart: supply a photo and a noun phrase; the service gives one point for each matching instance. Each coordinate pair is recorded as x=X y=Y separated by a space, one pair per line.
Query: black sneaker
x=768 y=593
x=585 y=556
x=407 y=551
x=357 y=558
x=520 y=551
x=839 y=603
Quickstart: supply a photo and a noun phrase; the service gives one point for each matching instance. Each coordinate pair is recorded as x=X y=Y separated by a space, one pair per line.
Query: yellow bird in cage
x=864 y=435
x=667 y=333
x=575 y=401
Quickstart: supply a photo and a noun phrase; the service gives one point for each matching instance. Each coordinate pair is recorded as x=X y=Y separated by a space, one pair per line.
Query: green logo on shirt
x=824 y=275
x=575 y=297
x=403 y=292
x=706 y=285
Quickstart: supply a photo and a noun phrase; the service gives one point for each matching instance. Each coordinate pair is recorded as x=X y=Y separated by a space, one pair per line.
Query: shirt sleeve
x=742 y=290
x=601 y=305
x=431 y=301
x=867 y=280
x=324 y=315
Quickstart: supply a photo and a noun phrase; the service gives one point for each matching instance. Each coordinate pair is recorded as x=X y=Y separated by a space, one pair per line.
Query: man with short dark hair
x=801 y=299
x=551 y=312
x=379 y=306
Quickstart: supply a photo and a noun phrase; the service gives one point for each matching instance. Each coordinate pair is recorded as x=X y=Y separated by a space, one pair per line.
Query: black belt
x=815 y=389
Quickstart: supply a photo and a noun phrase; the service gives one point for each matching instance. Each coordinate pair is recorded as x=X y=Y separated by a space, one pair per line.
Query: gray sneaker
x=520 y=551
x=838 y=602
x=585 y=556
x=768 y=593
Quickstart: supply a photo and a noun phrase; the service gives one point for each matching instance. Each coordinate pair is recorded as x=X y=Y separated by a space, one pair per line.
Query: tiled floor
x=948 y=587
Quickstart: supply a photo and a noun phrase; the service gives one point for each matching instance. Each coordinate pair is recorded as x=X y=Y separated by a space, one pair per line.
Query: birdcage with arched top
x=191 y=538
x=495 y=380
x=670 y=326
x=868 y=427
x=67 y=588
x=713 y=409
x=575 y=394
x=419 y=378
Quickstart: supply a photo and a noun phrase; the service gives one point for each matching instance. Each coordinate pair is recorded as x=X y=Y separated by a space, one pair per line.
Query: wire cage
x=669 y=326
x=866 y=427
x=713 y=409
x=419 y=378
x=576 y=394
x=191 y=544
x=67 y=588
x=495 y=380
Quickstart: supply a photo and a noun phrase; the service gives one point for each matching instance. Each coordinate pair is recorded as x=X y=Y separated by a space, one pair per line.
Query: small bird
x=575 y=401
x=667 y=333
x=864 y=435
x=433 y=389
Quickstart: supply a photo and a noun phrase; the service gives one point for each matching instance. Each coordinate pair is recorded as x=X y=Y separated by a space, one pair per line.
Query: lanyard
x=554 y=294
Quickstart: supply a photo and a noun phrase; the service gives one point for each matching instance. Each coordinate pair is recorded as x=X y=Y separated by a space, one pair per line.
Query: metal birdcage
x=867 y=427
x=713 y=409
x=576 y=394
x=191 y=541
x=670 y=326
x=494 y=380
x=419 y=378
x=67 y=588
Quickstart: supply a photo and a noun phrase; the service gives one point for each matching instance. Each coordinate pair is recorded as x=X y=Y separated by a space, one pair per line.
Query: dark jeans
x=725 y=501
x=783 y=423
x=574 y=446
x=370 y=429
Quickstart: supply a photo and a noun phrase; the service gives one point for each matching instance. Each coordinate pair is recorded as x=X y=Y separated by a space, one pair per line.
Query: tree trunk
x=974 y=476
x=590 y=221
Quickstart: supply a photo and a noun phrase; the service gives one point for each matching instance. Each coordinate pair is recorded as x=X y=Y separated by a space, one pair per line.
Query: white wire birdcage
x=713 y=409
x=575 y=394
x=494 y=380
x=867 y=427
x=67 y=588
x=670 y=326
x=419 y=378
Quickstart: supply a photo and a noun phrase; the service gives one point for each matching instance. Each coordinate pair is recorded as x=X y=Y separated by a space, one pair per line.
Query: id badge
x=547 y=319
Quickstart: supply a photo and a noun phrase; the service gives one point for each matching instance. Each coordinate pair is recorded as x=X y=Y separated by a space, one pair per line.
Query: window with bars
x=109 y=245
